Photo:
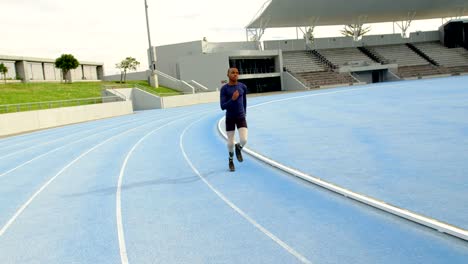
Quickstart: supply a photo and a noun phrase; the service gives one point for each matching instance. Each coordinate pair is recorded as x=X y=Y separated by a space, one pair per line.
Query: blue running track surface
x=154 y=187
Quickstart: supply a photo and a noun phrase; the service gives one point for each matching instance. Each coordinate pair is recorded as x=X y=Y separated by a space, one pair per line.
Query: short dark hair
x=231 y=69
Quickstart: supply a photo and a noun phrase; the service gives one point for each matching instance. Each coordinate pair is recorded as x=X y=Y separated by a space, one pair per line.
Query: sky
x=108 y=31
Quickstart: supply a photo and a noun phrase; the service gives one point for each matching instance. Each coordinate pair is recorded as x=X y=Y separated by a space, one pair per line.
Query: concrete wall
x=389 y=39
x=77 y=74
x=425 y=36
x=144 y=101
x=210 y=70
x=291 y=83
x=131 y=76
x=11 y=74
x=168 y=55
x=33 y=120
x=22 y=71
x=127 y=93
x=52 y=73
x=189 y=99
x=207 y=69
x=319 y=43
x=90 y=72
x=335 y=43
x=35 y=71
x=285 y=45
x=216 y=47
x=365 y=77
x=386 y=39
x=346 y=42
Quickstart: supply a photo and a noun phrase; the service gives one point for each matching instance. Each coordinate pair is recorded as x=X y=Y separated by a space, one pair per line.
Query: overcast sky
x=109 y=30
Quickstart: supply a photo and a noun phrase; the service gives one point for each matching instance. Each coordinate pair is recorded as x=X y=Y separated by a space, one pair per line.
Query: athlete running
x=233 y=99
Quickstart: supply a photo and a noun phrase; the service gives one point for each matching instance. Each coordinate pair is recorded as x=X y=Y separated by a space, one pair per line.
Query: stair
x=324 y=60
x=317 y=79
x=369 y=52
x=422 y=54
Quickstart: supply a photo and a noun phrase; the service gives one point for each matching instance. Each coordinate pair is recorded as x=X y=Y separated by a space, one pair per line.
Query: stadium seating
x=456 y=59
x=310 y=70
x=318 y=67
x=345 y=56
x=301 y=61
x=399 y=54
x=322 y=78
x=421 y=70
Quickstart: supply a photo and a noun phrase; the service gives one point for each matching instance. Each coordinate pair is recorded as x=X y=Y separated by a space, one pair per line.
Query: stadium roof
x=300 y=13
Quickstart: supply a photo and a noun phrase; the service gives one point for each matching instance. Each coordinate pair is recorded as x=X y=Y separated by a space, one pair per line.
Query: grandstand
x=400 y=54
x=455 y=59
x=345 y=56
x=312 y=70
x=417 y=55
x=307 y=63
x=302 y=61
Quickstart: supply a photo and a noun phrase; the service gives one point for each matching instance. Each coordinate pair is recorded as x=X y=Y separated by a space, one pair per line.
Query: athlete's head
x=233 y=74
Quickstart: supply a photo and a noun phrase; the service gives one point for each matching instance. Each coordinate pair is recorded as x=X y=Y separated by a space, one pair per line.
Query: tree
x=355 y=30
x=66 y=62
x=128 y=64
x=3 y=71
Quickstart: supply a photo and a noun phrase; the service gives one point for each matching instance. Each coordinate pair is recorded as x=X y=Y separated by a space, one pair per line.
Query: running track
x=153 y=187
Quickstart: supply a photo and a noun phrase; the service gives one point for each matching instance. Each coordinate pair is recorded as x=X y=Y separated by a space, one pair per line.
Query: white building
x=28 y=69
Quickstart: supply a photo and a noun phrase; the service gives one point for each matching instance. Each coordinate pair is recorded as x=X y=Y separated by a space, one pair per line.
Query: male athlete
x=234 y=101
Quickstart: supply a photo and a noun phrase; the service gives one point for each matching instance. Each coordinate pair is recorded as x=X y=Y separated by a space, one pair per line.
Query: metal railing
x=12 y=108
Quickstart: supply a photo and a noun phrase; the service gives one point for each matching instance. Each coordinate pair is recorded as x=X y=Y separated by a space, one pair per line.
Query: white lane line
x=386 y=207
x=120 y=230
x=70 y=135
x=31 y=199
x=34 y=136
x=237 y=209
x=307 y=95
x=74 y=142
x=346 y=90
x=27 y=138
x=44 y=144
x=54 y=150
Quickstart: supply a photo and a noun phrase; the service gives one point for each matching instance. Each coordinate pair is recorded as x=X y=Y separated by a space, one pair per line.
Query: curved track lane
x=161 y=193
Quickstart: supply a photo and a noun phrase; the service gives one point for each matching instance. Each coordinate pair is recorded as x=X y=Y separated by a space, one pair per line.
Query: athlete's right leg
x=230 y=145
x=230 y=142
x=230 y=129
x=243 y=132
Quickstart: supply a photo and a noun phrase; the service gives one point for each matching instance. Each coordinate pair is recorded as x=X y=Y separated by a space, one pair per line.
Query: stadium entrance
x=260 y=73
x=373 y=76
x=253 y=65
x=262 y=85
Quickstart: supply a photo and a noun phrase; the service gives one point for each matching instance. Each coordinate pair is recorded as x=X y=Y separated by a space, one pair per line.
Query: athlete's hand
x=235 y=95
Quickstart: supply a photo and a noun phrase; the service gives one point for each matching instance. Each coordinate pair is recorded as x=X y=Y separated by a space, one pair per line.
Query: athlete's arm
x=224 y=99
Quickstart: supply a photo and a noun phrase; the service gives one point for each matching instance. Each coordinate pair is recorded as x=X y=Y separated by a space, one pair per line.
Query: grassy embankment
x=29 y=94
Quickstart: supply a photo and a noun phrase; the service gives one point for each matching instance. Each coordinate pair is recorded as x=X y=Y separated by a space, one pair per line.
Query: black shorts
x=231 y=123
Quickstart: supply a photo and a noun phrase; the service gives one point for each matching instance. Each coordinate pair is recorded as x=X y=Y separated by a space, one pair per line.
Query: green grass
x=160 y=91
x=18 y=93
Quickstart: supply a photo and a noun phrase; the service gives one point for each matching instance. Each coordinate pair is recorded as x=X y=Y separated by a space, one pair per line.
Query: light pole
x=151 y=54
